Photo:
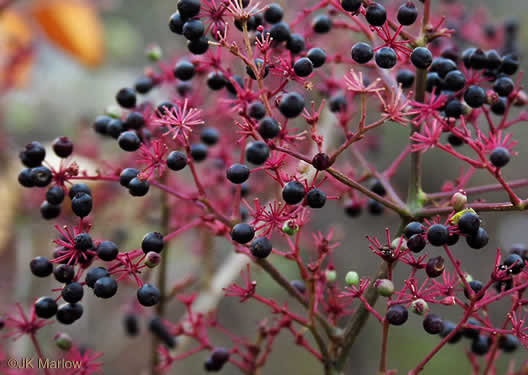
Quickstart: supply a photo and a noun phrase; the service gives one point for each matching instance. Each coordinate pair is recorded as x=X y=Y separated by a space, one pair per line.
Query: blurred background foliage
x=76 y=55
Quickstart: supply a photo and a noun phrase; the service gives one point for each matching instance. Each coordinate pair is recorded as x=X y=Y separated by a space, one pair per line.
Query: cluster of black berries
x=514 y=264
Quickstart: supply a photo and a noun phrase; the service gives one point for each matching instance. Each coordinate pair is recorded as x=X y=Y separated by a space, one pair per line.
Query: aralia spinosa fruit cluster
x=268 y=118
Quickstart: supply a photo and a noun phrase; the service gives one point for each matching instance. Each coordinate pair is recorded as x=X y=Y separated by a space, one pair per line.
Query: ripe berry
x=397 y=315
x=193 y=29
x=49 y=211
x=72 y=292
x=433 y=324
x=433 y=81
x=67 y=313
x=503 y=86
x=477 y=59
x=374 y=207
x=442 y=66
x=126 y=98
x=127 y=175
x=188 y=8
x=405 y=77
x=134 y=120
x=261 y=247
x=64 y=273
x=454 y=109
x=273 y=13
x=129 y=141
x=263 y=73
x=148 y=295
x=41 y=266
x=362 y=52
x=105 y=287
x=421 y=57
x=95 y=274
x=216 y=361
x=452 y=239
x=131 y=324
x=114 y=128
x=79 y=188
x=469 y=223
x=82 y=204
x=510 y=65
x=386 y=58
x=295 y=44
x=209 y=136
x=321 y=161
x=41 y=176
x=499 y=157
x=454 y=80
x=317 y=56
x=493 y=60
x=293 y=192
x=176 y=160
x=351 y=5
x=499 y=107
x=83 y=242
x=291 y=105
x=476 y=286
x=55 y=195
x=414 y=227
x=508 y=343
x=63 y=147
x=337 y=103
x=157 y=327
x=152 y=241
x=24 y=178
x=198 y=46
x=137 y=187
x=257 y=152
x=33 y=154
x=303 y=67
x=322 y=24
x=516 y=261
x=437 y=235
x=416 y=243
x=471 y=333
x=256 y=110
x=407 y=14
x=242 y=233
x=268 y=128
x=107 y=251
x=316 y=198
x=237 y=173
x=100 y=124
x=45 y=307
x=216 y=81
x=280 y=32
x=143 y=85
x=447 y=329
x=481 y=345
x=475 y=96
x=199 y=152
x=376 y=14
x=478 y=240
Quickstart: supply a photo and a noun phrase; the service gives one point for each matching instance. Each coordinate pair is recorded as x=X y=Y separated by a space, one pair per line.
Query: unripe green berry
x=331 y=276
x=113 y=111
x=396 y=242
x=352 y=278
x=290 y=228
x=154 y=52
x=63 y=341
x=420 y=307
x=384 y=287
x=152 y=259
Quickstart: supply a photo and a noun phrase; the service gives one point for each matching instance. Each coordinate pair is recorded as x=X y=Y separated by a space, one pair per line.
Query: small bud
x=290 y=227
x=321 y=161
x=152 y=259
x=384 y=287
x=331 y=276
x=154 y=52
x=63 y=341
x=520 y=99
x=458 y=201
x=396 y=242
x=492 y=97
x=448 y=301
x=113 y=111
x=352 y=278
x=420 y=307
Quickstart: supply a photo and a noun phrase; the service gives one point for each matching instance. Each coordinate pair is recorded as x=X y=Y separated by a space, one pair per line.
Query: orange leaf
x=74 y=26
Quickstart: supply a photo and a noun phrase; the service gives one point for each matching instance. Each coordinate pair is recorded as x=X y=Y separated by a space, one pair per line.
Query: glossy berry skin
x=268 y=128
x=433 y=324
x=193 y=29
x=376 y=14
x=435 y=267
x=454 y=80
x=33 y=154
x=95 y=274
x=72 y=292
x=516 y=261
x=454 y=109
x=414 y=227
x=198 y=46
x=63 y=147
x=421 y=57
x=143 y=85
x=499 y=157
x=481 y=345
x=503 y=86
x=280 y=32
x=362 y=53
x=79 y=188
x=508 y=343
x=475 y=96
x=303 y=67
x=322 y=24
x=433 y=81
x=105 y=287
x=510 y=65
x=405 y=77
x=82 y=204
x=261 y=247
x=127 y=175
x=442 y=66
x=176 y=160
x=242 y=233
x=134 y=120
x=293 y=192
x=129 y=141
x=237 y=173
x=152 y=241
x=291 y=105
x=397 y=315
x=55 y=195
x=209 y=136
x=49 y=211
x=295 y=44
x=41 y=266
x=407 y=14
x=126 y=98
x=478 y=240
x=64 y=273
x=437 y=235
x=216 y=81
x=107 y=251
x=469 y=223
x=41 y=176
x=45 y=307
x=317 y=56
x=351 y=5
x=416 y=243
x=273 y=13
x=24 y=178
x=137 y=187
x=83 y=242
x=101 y=123
x=68 y=313
x=199 y=152
x=447 y=329
x=114 y=128
x=189 y=8
x=386 y=58
x=316 y=198
x=148 y=295
x=257 y=152
x=256 y=110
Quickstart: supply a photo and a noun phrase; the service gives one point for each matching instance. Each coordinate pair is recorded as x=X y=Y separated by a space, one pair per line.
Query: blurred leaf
x=16 y=57
x=74 y=26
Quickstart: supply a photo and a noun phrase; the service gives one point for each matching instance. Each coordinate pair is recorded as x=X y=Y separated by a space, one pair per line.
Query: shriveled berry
x=434 y=267
x=152 y=241
x=242 y=233
x=261 y=247
x=237 y=173
x=41 y=266
x=397 y=315
x=148 y=295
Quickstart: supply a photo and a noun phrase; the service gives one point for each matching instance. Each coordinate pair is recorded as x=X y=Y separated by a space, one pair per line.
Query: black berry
x=397 y=315
x=261 y=247
x=105 y=287
x=148 y=295
x=41 y=266
x=242 y=233
x=152 y=241
x=316 y=198
x=437 y=235
x=293 y=192
x=237 y=173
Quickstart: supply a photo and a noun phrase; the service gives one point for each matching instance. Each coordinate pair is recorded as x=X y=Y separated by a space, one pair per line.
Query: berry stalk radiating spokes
x=273 y=121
